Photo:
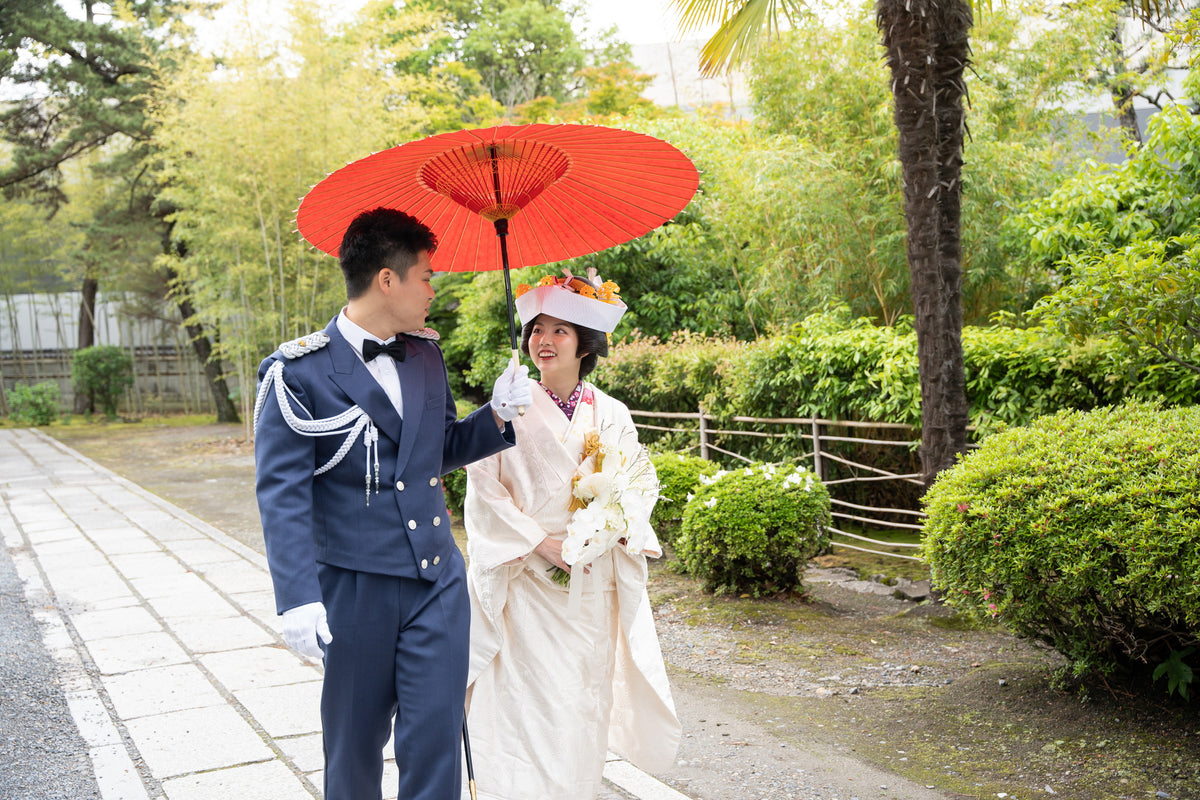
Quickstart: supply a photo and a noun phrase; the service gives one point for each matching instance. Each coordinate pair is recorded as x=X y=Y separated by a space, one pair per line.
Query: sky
x=639 y=21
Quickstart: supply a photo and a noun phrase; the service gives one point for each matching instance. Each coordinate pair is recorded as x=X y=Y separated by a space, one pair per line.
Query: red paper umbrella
x=568 y=190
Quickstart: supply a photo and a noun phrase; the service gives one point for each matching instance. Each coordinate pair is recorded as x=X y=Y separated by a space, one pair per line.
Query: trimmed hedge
x=34 y=405
x=835 y=367
x=103 y=373
x=754 y=530
x=1080 y=530
x=676 y=375
x=678 y=478
x=454 y=484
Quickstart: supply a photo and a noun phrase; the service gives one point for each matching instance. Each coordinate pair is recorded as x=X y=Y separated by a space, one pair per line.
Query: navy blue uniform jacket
x=404 y=530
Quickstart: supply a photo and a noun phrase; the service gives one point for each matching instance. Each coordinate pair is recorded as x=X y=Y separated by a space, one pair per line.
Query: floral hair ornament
x=589 y=301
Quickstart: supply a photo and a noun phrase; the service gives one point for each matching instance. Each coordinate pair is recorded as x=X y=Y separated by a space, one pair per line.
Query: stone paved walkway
x=164 y=634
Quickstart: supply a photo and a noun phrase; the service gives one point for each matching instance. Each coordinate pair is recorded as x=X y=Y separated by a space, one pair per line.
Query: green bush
x=102 y=373
x=835 y=367
x=34 y=405
x=754 y=530
x=454 y=485
x=675 y=375
x=678 y=477
x=1081 y=531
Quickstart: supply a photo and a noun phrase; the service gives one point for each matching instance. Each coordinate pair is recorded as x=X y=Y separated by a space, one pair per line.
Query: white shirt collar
x=356 y=335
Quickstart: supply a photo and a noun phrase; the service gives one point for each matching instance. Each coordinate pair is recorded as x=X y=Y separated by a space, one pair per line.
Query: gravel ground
x=42 y=755
x=750 y=695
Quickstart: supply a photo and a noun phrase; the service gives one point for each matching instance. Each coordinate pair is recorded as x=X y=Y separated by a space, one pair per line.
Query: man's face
x=409 y=299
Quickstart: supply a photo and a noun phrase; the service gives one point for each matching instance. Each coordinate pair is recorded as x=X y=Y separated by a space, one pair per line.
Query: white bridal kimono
x=549 y=693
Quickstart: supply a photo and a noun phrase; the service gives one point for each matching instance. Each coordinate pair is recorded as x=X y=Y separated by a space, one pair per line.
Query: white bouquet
x=611 y=502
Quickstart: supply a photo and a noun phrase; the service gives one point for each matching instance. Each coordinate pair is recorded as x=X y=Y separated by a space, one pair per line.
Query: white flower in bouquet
x=590 y=487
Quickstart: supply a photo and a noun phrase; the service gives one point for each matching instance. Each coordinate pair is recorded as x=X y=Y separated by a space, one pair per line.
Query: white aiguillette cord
x=351 y=422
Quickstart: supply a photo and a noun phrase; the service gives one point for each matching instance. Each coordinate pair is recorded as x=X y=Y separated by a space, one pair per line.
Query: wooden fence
x=39 y=335
x=815 y=433
x=166 y=378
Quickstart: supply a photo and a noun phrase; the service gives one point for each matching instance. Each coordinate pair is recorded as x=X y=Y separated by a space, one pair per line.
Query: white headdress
x=589 y=302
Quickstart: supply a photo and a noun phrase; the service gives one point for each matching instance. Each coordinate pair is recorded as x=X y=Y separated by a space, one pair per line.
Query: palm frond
x=696 y=14
x=741 y=33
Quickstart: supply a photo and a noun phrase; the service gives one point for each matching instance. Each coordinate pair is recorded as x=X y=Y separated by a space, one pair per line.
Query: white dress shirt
x=382 y=368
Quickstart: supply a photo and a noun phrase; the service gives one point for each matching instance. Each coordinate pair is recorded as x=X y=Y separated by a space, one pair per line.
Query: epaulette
x=305 y=344
x=425 y=333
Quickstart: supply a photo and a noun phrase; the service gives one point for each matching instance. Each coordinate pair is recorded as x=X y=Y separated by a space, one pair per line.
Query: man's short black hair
x=383 y=237
x=591 y=341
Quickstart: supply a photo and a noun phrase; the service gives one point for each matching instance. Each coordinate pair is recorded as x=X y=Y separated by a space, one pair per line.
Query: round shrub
x=753 y=530
x=34 y=405
x=102 y=373
x=454 y=485
x=1082 y=531
x=678 y=477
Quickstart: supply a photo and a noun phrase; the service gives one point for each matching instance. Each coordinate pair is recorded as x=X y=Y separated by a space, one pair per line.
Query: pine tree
x=83 y=85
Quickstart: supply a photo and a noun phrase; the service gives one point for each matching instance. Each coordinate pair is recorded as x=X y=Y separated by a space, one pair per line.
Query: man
x=354 y=426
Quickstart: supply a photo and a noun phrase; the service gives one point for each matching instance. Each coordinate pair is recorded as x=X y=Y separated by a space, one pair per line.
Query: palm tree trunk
x=927 y=51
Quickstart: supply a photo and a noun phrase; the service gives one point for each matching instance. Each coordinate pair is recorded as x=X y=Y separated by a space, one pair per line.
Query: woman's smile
x=554 y=347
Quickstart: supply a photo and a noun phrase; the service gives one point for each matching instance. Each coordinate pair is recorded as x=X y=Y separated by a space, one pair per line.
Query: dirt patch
x=926 y=694
x=839 y=694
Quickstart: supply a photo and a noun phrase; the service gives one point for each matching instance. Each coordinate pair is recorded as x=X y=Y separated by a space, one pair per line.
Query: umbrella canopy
x=568 y=190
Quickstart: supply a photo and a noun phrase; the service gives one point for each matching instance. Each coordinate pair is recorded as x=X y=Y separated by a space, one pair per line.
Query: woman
x=565 y=662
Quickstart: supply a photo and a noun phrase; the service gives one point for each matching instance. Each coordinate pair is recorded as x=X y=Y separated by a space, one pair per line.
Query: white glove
x=511 y=392
x=301 y=627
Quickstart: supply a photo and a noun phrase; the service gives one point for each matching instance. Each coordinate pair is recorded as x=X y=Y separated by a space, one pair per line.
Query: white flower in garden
x=710 y=502
x=690 y=496
x=801 y=478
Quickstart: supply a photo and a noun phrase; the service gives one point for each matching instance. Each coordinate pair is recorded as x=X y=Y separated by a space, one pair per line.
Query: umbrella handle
x=516 y=361
x=502 y=233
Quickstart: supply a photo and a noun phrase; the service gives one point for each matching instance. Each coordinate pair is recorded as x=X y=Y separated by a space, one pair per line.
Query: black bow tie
x=395 y=349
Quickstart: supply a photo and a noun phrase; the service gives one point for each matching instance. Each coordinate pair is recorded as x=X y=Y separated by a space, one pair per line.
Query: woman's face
x=553 y=345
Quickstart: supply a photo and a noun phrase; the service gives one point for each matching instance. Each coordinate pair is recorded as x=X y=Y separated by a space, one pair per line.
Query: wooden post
x=816 y=440
x=703 y=435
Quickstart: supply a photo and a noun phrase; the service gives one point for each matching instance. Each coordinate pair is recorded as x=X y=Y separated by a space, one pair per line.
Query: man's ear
x=385 y=279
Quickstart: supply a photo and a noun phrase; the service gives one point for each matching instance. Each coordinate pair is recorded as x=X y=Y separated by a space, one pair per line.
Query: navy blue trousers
x=397 y=662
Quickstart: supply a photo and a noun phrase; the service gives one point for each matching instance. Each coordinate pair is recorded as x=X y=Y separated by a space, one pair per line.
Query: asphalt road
x=42 y=755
